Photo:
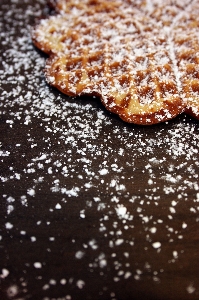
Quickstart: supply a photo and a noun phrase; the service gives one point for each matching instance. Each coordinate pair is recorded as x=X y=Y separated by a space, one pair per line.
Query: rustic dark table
x=91 y=207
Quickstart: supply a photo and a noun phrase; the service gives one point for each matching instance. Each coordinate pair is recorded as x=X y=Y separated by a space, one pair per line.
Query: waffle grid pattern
x=143 y=66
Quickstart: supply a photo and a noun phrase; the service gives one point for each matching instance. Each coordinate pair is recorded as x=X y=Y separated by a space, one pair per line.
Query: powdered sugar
x=83 y=189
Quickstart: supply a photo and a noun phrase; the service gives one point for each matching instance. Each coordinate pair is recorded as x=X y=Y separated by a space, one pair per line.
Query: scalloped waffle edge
x=141 y=58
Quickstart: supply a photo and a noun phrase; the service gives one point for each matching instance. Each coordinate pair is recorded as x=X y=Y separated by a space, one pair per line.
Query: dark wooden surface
x=84 y=196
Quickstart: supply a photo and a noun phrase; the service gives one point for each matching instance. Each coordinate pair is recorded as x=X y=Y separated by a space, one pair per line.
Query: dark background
x=84 y=196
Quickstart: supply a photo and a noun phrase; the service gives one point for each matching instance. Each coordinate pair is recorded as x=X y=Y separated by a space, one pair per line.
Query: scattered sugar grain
x=8 y=225
x=79 y=254
x=80 y=284
x=58 y=206
x=37 y=265
x=33 y=239
x=12 y=291
x=184 y=225
x=52 y=282
x=46 y=287
x=23 y=232
x=63 y=281
x=31 y=192
x=156 y=245
x=190 y=289
x=4 y=273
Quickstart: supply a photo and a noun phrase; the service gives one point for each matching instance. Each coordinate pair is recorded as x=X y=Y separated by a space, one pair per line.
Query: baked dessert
x=140 y=57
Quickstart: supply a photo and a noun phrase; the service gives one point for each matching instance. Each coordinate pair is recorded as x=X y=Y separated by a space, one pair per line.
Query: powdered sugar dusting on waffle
x=139 y=57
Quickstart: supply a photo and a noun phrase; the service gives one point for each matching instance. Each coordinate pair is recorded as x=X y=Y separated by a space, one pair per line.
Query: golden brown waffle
x=140 y=57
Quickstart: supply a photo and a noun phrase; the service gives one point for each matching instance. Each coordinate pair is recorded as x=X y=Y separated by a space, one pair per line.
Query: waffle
x=140 y=57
